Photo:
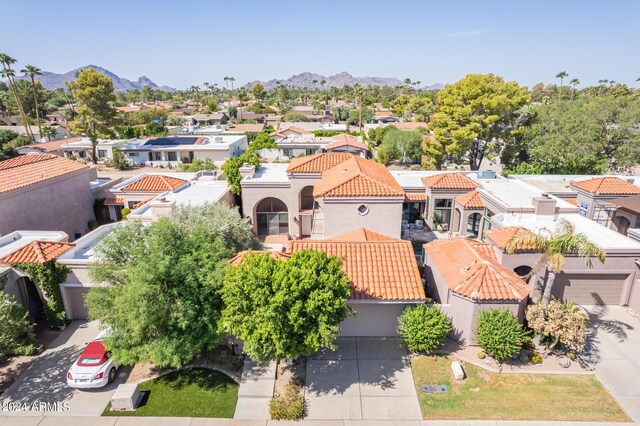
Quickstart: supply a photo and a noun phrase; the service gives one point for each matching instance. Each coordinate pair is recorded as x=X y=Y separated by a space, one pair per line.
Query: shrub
x=500 y=334
x=16 y=332
x=289 y=406
x=119 y=161
x=535 y=358
x=125 y=212
x=559 y=322
x=423 y=328
x=92 y=224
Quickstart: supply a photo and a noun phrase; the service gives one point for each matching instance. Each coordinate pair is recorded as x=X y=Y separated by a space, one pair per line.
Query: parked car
x=93 y=368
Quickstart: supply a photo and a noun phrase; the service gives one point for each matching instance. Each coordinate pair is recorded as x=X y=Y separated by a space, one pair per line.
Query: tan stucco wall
x=342 y=216
x=61 y=204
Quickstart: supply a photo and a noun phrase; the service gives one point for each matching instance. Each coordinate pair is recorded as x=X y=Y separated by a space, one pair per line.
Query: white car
x=93 y=368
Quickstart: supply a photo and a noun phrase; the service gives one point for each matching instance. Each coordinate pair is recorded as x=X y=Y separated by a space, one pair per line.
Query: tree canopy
x=403 y=145
x=285 y=308
x=231 y=169
x=474 y=118
x=162 y=301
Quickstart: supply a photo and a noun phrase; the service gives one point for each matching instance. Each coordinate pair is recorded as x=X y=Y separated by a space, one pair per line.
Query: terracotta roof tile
x=114 y=201
x=357 y=177
x=293 y=129
x=361 y=234
x=29 y=169
x=573 y=201
x=417 y=197
x=470 y=200
x=470 y=269
x=502 y=236
x=383 y=269
x=142 y=203
x=344 y=139
x=607 y=186
x=239 y=258
x=155 y=183
x=450 y=181
x=37 y=252
x=317 y=163
x=51 y=146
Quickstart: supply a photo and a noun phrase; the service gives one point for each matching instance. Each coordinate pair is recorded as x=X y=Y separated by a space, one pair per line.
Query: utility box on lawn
x=126 y=397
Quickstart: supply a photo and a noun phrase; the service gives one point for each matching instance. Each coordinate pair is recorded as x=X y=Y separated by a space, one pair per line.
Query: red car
x=93 y=368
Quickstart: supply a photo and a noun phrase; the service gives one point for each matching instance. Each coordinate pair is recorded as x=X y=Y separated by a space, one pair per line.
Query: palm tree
x=31 y=71
x=226 y=82
x=561 y=75
x=573 y=83
x=555 y=246
x=7 y=72
x=232 y=79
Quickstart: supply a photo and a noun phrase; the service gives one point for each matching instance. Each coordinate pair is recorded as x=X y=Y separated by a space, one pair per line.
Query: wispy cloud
x=467 y=33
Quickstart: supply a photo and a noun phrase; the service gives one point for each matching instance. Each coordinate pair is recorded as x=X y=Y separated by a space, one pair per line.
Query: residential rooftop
x=515 y=194
x=269 y=172
x=29 y=169
x=18 y=239
x=83 y=251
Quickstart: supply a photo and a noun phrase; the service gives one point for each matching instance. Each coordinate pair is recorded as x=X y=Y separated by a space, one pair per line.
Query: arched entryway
x=524 y=272
x=272 y=217
x=473 y=225
x=305 y=215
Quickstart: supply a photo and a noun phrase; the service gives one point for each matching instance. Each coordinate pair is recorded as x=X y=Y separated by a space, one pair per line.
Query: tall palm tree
x=573 y=83
x=226 y=82
x=561 y=75
x=232 y=79
x=31 y=71
x=555 y=246
x=6 y=61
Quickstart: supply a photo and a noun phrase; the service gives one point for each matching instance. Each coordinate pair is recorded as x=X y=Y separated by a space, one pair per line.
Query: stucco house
x=322 y=196
x=43 y=191
x=348 y=143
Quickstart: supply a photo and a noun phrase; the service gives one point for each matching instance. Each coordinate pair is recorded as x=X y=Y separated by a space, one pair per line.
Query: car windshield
x=88 y=361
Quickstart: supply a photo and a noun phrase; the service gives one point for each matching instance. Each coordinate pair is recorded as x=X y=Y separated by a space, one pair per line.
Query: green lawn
x=484 y=395
x=193 y=392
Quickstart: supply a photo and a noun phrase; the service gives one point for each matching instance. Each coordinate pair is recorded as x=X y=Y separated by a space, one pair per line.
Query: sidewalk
x=255 y=392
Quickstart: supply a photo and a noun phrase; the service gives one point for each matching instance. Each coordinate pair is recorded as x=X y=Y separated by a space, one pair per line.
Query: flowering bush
x=560 y=322
x=423 y=328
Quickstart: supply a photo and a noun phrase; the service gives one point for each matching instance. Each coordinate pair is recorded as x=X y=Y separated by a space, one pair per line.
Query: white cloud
x=467 y=33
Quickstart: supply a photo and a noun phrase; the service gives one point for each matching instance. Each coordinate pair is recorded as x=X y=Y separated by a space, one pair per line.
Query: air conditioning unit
x=486 y=174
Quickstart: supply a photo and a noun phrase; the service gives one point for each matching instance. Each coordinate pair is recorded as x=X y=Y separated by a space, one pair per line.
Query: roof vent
x=486 y=174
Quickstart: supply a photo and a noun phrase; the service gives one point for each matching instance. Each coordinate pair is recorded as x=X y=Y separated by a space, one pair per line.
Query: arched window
x=273 y=217
x=307 y=202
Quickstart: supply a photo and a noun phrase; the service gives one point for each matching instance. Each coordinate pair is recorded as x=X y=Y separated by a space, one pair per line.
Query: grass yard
x=484 y=395
x=193 y=392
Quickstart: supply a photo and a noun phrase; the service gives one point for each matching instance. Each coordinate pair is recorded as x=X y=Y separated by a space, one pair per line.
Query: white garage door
x=373 y=319
x=590 y=289
x=76 y=310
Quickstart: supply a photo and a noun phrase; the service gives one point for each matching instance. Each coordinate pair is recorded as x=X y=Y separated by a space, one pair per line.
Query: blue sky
x=189 y=42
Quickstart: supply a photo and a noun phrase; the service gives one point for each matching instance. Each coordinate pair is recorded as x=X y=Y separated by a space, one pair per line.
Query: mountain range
x=52 y=80
x=342 y=79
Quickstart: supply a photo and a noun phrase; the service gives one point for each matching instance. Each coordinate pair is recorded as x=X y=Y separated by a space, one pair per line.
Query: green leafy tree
x=294 y=116
x=403 y=145
x=118 y=160
x=554 y=247
x=258 y=91
x=162 y=299
x=367 y=115
x=145 y=116
x=420 y=108
x=340 y=113
x=231 y=169
x=423 y=328
x=93 y=93
x=285 y=308
x=17 y=334
x=262 y=140
x=155 y=129
x=48 y=132
x=474 y=117
x=7 y=148
x=197 y=164
x=500 y=334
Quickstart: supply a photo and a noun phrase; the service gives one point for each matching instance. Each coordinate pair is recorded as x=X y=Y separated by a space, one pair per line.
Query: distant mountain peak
x=341 y=79
x=51 y=80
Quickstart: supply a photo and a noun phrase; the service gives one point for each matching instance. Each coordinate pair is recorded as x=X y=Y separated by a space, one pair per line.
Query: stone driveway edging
x=478 y=363
x=234 y=376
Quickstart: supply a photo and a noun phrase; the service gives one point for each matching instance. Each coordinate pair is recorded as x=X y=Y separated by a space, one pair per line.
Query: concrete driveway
x=42 y=388
x=365 y=378
x=614 y=354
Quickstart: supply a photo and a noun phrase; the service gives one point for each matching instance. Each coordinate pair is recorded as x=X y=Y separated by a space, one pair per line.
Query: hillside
x=342 y=79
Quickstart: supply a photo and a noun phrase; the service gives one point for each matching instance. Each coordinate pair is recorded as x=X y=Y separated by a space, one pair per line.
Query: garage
x=74 y=296
x=590 y=289
x=373 y=320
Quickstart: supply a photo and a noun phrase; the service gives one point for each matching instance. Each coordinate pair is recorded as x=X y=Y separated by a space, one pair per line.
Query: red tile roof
x=52 y=146
x=417 y=197
x=317 y=163
x=470 y=269
x=380 y=268
x=155 y=183
x=450 y=181
x=502 y=236
x=344 y=139
x=142 y=203
x=573 y=201
x=29 y=169
x=37 y=252
x=277 y=255
x=470 y=200
x=114 y=201
x=290 y=129
x=357 y=177
x=361 y=234
x=607 y=186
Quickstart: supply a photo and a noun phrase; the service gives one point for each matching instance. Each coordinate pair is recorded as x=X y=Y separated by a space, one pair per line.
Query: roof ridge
x=38 y=250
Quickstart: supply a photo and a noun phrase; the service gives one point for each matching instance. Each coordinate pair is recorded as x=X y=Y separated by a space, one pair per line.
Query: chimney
x=544 y=206
x=161 y=208
x=247 y=170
